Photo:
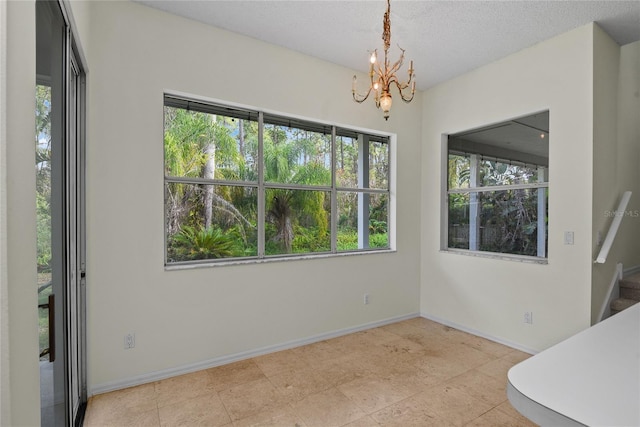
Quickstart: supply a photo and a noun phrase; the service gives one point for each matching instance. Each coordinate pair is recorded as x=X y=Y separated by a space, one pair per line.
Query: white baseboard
x=223 y=360
x=471 y=331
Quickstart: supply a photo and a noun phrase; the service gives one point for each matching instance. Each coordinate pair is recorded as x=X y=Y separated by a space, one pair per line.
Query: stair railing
x=613 y=292
x=613 y=229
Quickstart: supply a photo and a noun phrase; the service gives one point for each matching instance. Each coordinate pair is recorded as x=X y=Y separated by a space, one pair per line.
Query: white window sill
x=494 y=255
x=206 y=264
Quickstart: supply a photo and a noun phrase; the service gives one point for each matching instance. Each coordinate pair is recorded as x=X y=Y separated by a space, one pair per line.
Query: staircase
x=629 y=293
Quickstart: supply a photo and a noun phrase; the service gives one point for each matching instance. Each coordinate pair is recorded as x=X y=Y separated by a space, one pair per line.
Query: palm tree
x=195 y=143
x=292 y=157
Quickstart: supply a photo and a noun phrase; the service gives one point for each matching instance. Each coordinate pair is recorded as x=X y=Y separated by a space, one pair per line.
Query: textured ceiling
x=444 y=38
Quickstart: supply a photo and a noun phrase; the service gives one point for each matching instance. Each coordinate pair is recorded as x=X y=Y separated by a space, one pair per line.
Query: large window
x=243 y=185
x=497 y=188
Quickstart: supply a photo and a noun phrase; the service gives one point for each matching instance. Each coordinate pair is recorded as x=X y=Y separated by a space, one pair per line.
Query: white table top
x=592 y=378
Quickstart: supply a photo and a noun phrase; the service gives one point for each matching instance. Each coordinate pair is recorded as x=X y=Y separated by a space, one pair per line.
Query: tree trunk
x=281 y=212
x=286 y=233
x=209 y=173
x=241 y=137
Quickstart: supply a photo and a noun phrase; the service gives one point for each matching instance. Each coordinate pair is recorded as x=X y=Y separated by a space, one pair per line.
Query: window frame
x=478 y=189
x=264 y=118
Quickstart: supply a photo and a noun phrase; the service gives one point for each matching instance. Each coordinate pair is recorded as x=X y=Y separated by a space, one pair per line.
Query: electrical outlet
x=129 y=341
x=528 y=317
x=366 y=299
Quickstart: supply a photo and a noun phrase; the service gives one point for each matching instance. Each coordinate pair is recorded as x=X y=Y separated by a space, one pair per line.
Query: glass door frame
x=76 y=235
x=68 y=232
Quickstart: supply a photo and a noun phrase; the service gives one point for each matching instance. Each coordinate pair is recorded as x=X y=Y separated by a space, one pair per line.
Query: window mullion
x=491 y=188
x=474 y=206
x=542 y=214
x=334 y=194
x=363 y=198
x=205 y=181
x=261 y=190
x=297 y=187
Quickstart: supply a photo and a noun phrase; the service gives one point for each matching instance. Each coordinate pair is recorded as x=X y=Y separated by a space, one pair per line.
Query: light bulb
x=373 y=57
x=376 y=86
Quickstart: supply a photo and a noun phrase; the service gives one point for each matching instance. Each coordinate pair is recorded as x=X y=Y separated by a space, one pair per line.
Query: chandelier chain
x=386 y=27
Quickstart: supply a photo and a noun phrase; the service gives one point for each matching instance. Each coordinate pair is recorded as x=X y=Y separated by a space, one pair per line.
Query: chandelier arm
x=405 y=99
x=358 y=97
x=361 y=98
x=406 y=84
x=400 y=60
x=402 y=85
x=397 y=65
x=411 y=76
x=381 y=74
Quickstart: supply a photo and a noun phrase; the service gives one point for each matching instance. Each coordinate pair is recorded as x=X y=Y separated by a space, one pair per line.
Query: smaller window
x=497 y=188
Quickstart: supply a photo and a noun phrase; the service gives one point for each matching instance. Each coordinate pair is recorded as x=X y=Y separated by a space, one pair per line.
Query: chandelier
x=383 y=76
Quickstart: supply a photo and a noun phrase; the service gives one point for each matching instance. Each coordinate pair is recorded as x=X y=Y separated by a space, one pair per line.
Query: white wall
x=5 y=403
x=489 y=295
x=616 y=157
x=193 y=316
x=628 y=129
x=80 y=25
x=20 y=375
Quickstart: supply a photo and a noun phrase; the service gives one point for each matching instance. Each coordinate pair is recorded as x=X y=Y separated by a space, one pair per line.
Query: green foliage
x=43 y=229
x=310 y=239
x=377 y=227
x=194 y=143
x=347 y=240
x=379 y=240
x=514 y=215
x=43 y=177
x=459 y=175
x=188 y=133
x=508 y=221
x=196 y=244
x=279 y=161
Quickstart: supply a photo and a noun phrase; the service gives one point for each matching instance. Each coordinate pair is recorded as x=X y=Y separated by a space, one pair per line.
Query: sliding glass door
x=60 y=218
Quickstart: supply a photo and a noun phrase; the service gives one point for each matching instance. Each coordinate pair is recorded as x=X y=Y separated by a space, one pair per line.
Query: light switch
x=568 y=237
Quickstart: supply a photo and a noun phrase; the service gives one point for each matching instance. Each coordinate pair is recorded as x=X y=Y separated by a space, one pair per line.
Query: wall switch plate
x=568 y=237
x=366 y=299
x=528 y=317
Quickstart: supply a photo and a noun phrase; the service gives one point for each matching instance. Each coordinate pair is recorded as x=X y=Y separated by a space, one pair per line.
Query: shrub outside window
x=497 y=188
x=242 y=185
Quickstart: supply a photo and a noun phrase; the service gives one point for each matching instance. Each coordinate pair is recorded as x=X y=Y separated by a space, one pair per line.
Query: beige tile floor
x=411 y=373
